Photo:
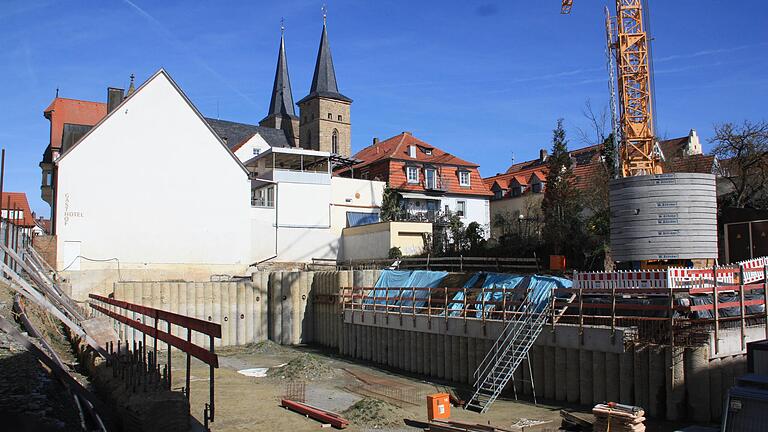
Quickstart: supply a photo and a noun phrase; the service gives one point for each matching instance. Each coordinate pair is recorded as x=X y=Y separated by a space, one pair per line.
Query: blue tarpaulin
x=539 y=288
x=407 y=279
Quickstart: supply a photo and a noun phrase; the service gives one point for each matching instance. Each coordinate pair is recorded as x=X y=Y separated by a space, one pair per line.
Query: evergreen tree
x=390 y=205
x=561 y=206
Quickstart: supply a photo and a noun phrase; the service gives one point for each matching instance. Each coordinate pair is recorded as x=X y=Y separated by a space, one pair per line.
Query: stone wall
x=46 y=247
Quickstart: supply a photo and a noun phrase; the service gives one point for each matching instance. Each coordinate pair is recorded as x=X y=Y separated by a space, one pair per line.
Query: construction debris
x=373 y=414
x=615 y=417
x=574 y=420
x=327 y=417
x=305 y=366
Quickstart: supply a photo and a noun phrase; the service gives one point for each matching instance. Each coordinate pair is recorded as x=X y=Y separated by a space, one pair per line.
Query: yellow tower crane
x=628 y=41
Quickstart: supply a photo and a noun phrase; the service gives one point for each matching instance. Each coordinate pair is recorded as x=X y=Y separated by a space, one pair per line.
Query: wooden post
x=446 y=308
x=503 y=304
x=429 y=309
x=741 y=309
x=613 y=307
x=581 y=313
x=482 y=314
x=765 y=295
x=716 y=300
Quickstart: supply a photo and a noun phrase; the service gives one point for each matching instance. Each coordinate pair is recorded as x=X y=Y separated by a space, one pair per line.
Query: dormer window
x=428 y=152
x=412 y=151
x=537 y=187
x=517 y=191
x=464 y=178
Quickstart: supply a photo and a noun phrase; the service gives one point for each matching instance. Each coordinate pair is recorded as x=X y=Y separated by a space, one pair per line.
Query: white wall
x=353 y=195
x=477 y=209
x=246 y=151
x=152 y=185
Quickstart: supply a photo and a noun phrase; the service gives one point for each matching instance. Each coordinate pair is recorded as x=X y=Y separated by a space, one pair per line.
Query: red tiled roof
x=73 y=111
x=397 y=148
x=17 y=201
x=702 y=164
x=389 y=158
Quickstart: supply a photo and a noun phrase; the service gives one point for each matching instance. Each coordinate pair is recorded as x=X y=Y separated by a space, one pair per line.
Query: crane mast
x=634 y=87
x=628 y=40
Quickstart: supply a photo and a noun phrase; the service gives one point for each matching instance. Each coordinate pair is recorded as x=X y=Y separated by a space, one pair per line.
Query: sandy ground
x=251 y=404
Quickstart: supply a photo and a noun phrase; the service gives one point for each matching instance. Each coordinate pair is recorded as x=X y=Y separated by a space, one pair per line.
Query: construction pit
x=370 y=397
x=372 y=345
x=653 y=348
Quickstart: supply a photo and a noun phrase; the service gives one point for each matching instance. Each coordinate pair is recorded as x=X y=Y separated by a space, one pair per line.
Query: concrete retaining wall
x=240 y=308
x=669 y=382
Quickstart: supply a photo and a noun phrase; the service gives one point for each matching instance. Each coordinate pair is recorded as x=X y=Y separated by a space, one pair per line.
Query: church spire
x=282 y=98
x=324 y=79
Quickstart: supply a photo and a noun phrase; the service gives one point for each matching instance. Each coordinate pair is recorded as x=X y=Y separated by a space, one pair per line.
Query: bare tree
x=599 y=125
x=743 y=155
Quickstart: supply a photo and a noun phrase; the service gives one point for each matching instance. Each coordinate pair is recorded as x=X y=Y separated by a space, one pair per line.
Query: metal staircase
x=506 y=354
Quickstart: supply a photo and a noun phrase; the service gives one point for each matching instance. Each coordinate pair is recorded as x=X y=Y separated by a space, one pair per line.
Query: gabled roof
x=585 y=161
x=69 y=111
x=397 y=148
x=324 y=78
x=17 y=201
x=236 y=134
x=282 y=97
x=159 y=73
x=673 y=148
x=537 y=175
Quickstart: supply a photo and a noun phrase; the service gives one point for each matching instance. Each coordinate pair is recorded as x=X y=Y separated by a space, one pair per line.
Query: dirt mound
x=304 y=366
x=264 y=347
x=373 y=413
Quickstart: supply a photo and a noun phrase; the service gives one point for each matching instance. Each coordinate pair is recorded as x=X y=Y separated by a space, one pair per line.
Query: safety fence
x=659 y=311
x=147 y=321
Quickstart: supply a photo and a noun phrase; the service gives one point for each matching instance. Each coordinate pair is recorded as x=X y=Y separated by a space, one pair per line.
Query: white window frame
x=461 y=209
x=412 y=170
x=434 y=178
x=461 y=178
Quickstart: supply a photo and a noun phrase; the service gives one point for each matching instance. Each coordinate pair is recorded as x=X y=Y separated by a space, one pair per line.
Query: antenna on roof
x=325 y=12
x=513 y=158
x=57 y=92
x=218 y=117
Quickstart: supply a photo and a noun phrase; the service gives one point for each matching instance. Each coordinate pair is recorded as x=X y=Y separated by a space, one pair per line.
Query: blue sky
x=481 y=79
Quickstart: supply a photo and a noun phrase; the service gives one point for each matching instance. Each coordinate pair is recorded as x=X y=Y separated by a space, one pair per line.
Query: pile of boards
x=618 y=418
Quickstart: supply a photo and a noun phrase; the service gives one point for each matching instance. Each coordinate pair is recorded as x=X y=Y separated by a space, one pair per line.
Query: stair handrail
x=511 y=330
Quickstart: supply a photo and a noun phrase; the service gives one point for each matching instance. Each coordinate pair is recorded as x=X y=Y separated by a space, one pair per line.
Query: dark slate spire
x=324 y=79
x=282 y=98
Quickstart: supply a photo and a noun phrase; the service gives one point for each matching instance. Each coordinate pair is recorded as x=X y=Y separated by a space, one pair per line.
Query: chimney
x=114 y=97
x=542 y=155
x=407 y=133
x=375 y=140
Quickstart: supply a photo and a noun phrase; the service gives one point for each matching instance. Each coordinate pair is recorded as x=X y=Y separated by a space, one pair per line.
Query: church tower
x=324 y=113
x=282 y=114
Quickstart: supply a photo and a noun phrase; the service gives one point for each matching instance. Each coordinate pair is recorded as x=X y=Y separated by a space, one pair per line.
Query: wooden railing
x=659 y=311
x=460 y=263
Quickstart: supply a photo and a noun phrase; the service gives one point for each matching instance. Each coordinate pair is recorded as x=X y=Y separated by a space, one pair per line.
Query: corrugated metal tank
x=663 y=216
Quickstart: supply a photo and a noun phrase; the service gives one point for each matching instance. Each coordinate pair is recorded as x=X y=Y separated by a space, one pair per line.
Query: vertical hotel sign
x=69 y=214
